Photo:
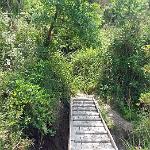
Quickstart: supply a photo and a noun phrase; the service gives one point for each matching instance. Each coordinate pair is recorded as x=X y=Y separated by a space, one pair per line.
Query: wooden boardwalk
x=88 y=130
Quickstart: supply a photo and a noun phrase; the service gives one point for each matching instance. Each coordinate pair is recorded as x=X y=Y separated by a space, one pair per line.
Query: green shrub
x=142 y=130
x=31 y=106
x=32 y=97
x=54 y=75
x=85 y=67
x=11 y=135
x=140 y=136
x=12 y=139
x=145 y=98
x=122 y=77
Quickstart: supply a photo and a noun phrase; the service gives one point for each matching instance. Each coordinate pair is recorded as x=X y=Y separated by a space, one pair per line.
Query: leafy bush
x=142 y=130
x=54 y=75
x=123 y=78
x=85 y=67
x=11 y=136
x=139 y=138
x=31 y=106
x=33 y=98
x=145 y=98
x=13 y=140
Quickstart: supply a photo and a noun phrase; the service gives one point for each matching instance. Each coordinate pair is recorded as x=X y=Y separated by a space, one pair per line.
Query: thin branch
x=49 y=37
x=8 y=6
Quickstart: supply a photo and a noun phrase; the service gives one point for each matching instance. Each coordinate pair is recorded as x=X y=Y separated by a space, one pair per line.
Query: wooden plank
x=83 y=105
x=92 y=146
x=86 y=118
x=85 y=113
x=83 y=102
x=87 y=123
x=89 y=130
x=91 y=138
x=84 y=108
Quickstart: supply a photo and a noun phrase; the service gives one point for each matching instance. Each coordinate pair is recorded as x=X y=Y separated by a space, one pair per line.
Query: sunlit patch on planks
x=88 y=130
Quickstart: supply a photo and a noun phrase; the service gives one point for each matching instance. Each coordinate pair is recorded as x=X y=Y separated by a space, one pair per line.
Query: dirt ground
x=122 y=127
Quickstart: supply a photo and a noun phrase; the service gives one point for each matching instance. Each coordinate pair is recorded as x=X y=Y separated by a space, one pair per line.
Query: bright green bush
x=54 y=75
x=145 y=98
x=31 y=106
x=11 y=135
x=85 y=67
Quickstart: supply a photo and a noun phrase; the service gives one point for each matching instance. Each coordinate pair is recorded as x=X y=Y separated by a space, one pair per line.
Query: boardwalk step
x=86 y=129
x=88 y=119
x=87 y=123
x=85 y=113
x=84 y=108
x=91 y=101
x=89 y=130
x=83 y=105
x=84 y=118
x=83 y=99
x=92 y=146
x=83 y=102
x=91 y=138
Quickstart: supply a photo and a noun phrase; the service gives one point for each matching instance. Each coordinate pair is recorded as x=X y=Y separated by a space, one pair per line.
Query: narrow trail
x=88 y=130
x=123 y=128
x=118 y=120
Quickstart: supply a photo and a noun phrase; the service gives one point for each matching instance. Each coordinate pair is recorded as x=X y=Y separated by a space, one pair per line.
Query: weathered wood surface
x=88 y=130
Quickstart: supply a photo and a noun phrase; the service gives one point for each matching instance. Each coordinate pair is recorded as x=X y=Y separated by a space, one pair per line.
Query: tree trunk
x=50 y=31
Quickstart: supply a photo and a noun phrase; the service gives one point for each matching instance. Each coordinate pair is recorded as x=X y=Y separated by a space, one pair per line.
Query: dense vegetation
x=51 y=49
